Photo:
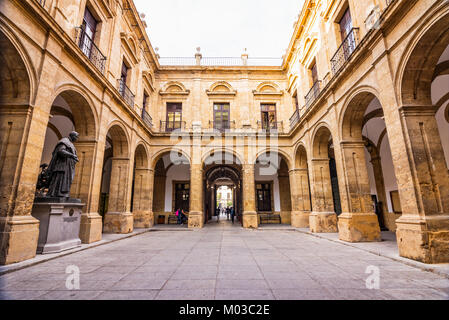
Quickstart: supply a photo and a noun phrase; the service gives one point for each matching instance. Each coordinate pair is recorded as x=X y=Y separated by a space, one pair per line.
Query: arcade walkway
x=223 y=261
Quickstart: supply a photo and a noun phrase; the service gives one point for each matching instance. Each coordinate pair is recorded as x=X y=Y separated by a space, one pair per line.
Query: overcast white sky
x=221 y=28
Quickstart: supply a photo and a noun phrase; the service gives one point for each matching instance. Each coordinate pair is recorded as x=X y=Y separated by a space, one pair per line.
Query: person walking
x=178 y=215
x=232 y=214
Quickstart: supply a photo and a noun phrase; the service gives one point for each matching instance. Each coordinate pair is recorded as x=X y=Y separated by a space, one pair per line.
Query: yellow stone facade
x=325 y=92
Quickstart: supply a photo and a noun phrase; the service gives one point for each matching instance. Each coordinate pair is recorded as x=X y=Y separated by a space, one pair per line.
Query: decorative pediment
x=174 y=88
x=130 y=45
x=221 y=88
x=268 y=89
x=148 y=79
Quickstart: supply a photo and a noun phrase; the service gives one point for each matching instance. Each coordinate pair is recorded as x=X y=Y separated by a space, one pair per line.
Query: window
x=314 y=73
x=263 y=194
x=174 y=116
x=144 y=102
x=221 y=116
x=296 y=101
x=89 y=28
x=123 y=79
x=268 y=116
x=345 y=24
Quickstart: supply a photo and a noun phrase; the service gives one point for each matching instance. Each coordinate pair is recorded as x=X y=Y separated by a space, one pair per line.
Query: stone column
x=196 y=214
x=158 y=196
x=360 y=222
x=423 y=228
x=285 y=197
x=376 y=161
x=300 y=194
x=249 y=197
x=118 y=219
x=323 y=219
x=143 y=198
x=91 y=222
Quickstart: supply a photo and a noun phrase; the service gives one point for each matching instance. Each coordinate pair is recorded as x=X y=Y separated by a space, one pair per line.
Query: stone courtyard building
x=349 y=133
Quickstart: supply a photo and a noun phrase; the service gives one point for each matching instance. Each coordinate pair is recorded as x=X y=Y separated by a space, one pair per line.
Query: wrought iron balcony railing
x=42 y=2
x=222 y=125
x=345 y=50
x=125 y=92
x=270 y=126
x=294 y=119
x=89 y=48
x=147 y=118
x=169 y=126
x=313 y=94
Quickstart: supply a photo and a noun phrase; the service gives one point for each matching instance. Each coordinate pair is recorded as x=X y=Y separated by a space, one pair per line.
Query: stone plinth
x=323 y=222
x=424 y=239
x=91 y=227
x=196 y=219
x=143 y=219
x=300 y=219
x=358 y=227
x=19 y=236
x=118 y=222
x=59 y=224
x=250 y=220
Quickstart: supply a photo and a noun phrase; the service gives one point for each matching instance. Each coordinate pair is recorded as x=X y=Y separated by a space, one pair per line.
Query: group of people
x=229 y=211
x=180 y=214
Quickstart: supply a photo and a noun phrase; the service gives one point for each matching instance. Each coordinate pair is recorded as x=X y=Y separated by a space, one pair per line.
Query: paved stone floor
x=220 y=262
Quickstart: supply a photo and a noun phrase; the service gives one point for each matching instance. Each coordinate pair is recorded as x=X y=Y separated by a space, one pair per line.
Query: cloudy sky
x=220 y=28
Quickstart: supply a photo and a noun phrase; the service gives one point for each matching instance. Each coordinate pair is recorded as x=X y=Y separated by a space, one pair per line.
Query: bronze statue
x=59 y=175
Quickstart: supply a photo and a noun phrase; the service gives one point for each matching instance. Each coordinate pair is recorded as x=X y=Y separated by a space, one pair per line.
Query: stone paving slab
x=223 y=262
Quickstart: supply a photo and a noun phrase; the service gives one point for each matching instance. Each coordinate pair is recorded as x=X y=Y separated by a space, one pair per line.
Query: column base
x=250 y=220
x=359 y=227
x=196 y=220
x=19 y=236
x=300 y=219
x=118 y=222
x=323 y=222
x=91 y=227
x=425 y=240
x=143 y=219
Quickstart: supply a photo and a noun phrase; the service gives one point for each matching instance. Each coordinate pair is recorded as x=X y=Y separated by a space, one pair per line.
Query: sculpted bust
x=61 y=170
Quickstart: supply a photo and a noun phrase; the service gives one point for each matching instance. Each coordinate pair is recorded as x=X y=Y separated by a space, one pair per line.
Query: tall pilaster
x=323 y=219
x=300 y=194
x=143 y=198
x=249 y=197
x=360 y=223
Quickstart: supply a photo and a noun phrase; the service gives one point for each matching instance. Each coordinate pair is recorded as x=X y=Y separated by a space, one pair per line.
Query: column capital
x=418 y=110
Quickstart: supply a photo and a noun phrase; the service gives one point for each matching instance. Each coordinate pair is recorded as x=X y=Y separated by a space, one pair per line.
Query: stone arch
x=169 y=150
x=84 y=113
x=238 y=157
x=120 y=140
x=301 y=157
x=17 y=76
x=353 y=113
x=141 y=156
x=417 y=68
x=286 y=157
x=320 y=142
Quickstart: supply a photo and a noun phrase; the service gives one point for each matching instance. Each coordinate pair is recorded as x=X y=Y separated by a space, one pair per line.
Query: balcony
x=90 y=49
x=277 y=126
x=125 y=92
x=294 y=119
x=170 y=126
x=147 y=118
x=345 y=50
x=313 y=94
x=222 y=125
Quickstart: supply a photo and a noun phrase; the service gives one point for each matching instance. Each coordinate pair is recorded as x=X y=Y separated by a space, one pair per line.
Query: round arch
x=214 y=151
x=284 y=155
x=120 y=141
x=320 y=141
x=141 y=156
x=416 y=69
x=169 y=150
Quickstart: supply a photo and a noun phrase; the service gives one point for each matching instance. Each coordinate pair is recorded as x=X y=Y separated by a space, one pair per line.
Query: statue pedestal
x=59 y=226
